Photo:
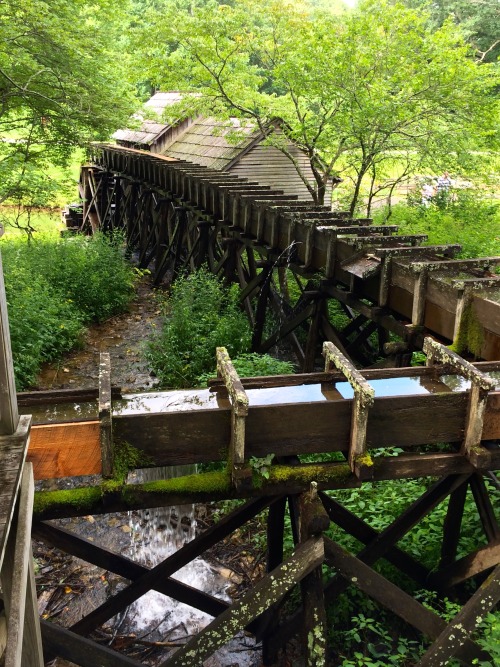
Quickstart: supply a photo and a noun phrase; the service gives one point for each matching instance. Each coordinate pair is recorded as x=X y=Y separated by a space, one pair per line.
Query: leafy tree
x=351 y=90
x=62 y=83
x=480 y=20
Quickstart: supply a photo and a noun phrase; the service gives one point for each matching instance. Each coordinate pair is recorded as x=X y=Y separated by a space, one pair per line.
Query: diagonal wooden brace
x=364 y=395
x=481 y=384
x=241 y=473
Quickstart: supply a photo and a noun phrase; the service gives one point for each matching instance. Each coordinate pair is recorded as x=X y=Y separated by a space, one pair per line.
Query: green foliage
x=353 y=90
x=490 y=640
x=54 y=286
x=63 y=82
x=469 y=218
x=200 y=315
x=253 y=364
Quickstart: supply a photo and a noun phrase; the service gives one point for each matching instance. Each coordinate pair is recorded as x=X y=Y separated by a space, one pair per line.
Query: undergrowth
x=200 y=315
x=54 y=288
x=470 y=218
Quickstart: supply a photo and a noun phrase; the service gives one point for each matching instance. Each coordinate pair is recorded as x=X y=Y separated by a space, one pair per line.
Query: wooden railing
x=23 y=641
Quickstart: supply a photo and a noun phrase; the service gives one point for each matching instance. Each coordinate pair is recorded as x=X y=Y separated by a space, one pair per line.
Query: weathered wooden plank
x=16 y=446
x=65 y=450
x=24 y=644
x=9 y=415
x=266 y=592
x=105 y=415
x=404 y=421
x=50 y=396
x=458 y=630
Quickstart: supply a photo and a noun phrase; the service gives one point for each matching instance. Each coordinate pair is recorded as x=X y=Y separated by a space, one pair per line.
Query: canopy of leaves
x=479 y=19
x=351 y=90
x=62 y=83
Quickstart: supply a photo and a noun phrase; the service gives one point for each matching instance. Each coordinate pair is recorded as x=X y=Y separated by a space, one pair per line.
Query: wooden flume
x=177 y=217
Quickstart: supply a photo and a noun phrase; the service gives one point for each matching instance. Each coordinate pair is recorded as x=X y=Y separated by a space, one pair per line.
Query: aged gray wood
x=14 y=448
x=24 y=644
x=9 y=415
x=266 y=592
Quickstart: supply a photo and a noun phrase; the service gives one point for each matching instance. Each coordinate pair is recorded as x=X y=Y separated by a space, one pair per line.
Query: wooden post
x=24 y=643
x=481 y=385
x=313 y=522
x=105 y=415
x=9 y=416
x=241 y=473
x=364 y=395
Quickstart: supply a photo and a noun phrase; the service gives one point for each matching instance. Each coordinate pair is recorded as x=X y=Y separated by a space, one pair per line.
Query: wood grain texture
x=65 y=450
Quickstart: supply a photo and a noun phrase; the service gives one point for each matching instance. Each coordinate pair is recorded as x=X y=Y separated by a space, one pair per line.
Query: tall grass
x=54 y=287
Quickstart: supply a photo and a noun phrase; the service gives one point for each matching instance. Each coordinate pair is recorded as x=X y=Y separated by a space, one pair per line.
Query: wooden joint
x=481 y=384
x=240 y=470
x=359 y=461
x=105 y=415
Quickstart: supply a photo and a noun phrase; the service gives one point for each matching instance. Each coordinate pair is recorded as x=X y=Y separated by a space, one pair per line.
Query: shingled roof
x=212 y=143
x=150 y=130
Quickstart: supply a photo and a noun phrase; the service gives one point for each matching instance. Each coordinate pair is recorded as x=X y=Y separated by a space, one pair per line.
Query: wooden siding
x=269 y=166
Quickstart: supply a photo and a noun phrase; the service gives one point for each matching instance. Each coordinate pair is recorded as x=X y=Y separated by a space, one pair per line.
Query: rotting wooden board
x=65 y=450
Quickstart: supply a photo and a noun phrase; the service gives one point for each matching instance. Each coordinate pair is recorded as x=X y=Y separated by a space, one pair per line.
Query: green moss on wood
x=470 y=333
x=313 y=473
x=126 y=458
x=81 y=499
x=207 y=482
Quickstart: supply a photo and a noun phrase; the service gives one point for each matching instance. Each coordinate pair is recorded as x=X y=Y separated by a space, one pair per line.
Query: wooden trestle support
x=178 y=217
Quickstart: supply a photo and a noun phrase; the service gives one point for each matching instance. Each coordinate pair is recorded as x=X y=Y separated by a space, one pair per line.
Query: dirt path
x=124 y=337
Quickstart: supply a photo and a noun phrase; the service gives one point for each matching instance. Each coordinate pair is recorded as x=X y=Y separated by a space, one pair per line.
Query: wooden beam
x=105 y=415
x=24 y=645
x=167 y=567
x=9 y=415
x=465 y=568
x=356 y=527
x=125 y=567
x=364 y=396
x=241 y=473
x=265 y=593
x=63 y=643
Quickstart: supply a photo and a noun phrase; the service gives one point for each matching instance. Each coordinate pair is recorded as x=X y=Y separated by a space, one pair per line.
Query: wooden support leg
x=313 y=522
x=485 y=508
x=452 y=523
x=275 y=536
